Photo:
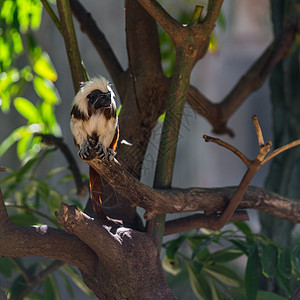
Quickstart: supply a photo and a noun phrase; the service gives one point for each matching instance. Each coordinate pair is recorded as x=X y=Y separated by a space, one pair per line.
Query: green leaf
x=54 y=171
x=27 y=110
x=6 y=267
x=203 y=245
x=67 y=284
x=161 y=118
x=269 y=260
x=51 y=288
x=24 y=144
x=221 y=20
x=284 y=263
x=224 y=275
x=244 y=228
x=173 y=246
x=198 y=283
x=47 y=112
x=119 y=110
x=243 y=246
x=251 y=275
x=263 y=295
x=172 y=266
x=18 y=286
x=296 y=258
x=46 y=90
x=34 y=296
x=25 y=219
x=226 y=255
x=77 y=279
x=284 y=283
x=43 y=67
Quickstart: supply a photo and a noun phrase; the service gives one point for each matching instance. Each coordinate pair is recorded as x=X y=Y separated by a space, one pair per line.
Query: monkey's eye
x=99 y=99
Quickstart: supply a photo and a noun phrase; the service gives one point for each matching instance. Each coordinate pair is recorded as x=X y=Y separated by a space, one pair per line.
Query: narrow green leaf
x=251 y=275
x=67 y=284
x=269 y=260
x=119 y=110
x=27 y=110
x=51 y=288
x=243 y=246
x=296 y=258
x=34 y=296
x=205 y=244
x=198 y=283
x=214 y=290
x=224 y=275
x=55 y=171
x=284 y=263
x=226 y=255
x=77 y=279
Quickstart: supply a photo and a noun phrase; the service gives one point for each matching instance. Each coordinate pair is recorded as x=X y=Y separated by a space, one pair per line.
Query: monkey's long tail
x=95 y=189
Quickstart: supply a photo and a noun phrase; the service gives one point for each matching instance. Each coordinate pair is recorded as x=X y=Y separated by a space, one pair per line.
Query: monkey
x=95 y=129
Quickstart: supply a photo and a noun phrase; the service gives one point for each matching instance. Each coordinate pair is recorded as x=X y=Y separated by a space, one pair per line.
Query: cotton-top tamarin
x=94 y=125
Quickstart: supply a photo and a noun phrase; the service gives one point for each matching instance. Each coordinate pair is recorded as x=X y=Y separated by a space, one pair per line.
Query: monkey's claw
x=87 y=151
x=103 y=152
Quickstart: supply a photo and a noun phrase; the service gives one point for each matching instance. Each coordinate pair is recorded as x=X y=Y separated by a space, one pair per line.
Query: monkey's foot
x=104 y=152
x=87 y=150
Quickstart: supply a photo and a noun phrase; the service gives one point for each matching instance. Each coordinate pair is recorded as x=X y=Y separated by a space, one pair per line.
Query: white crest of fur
x=97 y=83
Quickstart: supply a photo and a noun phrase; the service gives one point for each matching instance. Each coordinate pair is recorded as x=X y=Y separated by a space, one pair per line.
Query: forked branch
x=253 y=167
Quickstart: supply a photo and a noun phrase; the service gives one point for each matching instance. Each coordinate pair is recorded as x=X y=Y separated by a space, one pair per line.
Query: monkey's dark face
x=98 y=99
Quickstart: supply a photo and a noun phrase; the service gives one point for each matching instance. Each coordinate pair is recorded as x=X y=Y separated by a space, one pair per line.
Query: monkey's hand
x=104 y=152
x=90 y=149
x=87 y=150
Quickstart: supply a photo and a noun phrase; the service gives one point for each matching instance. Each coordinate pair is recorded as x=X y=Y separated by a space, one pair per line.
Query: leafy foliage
x=18 y=20
x=216 y=261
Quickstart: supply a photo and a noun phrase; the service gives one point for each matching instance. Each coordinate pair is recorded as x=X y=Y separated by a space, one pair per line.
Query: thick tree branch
x=142 y=41
x=176 y=31
x=122 y=253
x=95 y=235
x=219 y=114
x=89 y=26
x=45 y=241
x=208 y=200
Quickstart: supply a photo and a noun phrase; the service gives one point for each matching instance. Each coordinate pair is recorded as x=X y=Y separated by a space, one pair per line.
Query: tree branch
x=33 y=282
x=44 y=241
x=176 y=31
x=77 y=70
x=199 y=221
x=208 y=200
x=49 y=139
x=219 y=114
x=90 y=27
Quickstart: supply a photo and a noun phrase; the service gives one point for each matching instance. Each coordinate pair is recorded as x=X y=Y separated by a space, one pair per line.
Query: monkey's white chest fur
x=97 y=124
